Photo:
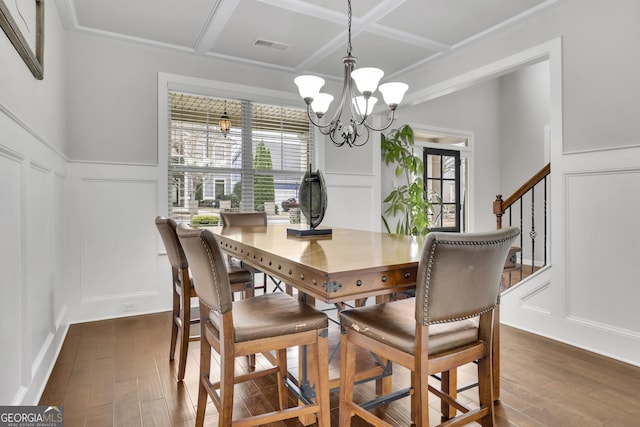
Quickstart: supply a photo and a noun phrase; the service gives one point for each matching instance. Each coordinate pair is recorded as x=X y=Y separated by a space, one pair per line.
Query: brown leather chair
x=265 y=323
x=249 y=219
x=448 y=324
x=183 y=291
x=243 y=219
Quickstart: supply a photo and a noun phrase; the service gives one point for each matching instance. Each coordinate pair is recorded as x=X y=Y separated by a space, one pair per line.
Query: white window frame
x=174 y=82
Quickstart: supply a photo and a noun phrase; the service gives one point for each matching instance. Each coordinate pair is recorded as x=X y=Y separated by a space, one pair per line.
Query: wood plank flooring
x=117 y=373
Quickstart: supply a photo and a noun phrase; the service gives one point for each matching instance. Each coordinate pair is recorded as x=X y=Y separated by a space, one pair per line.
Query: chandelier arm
x=326 y=129
x=313 y=122
x=368 y=126
x=347 y=87
x=337 y=143
x=359 y=131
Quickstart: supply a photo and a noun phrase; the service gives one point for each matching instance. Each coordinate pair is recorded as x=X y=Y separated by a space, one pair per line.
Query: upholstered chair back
x=236 y=219
x=208 y=268
x=167 y=228
x=459 y=274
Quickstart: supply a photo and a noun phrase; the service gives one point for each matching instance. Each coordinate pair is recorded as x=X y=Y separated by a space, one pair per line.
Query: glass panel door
x=442 y=182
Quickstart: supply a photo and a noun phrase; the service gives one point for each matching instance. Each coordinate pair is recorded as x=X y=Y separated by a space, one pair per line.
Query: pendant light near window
x=355 y=132
x=225 y=121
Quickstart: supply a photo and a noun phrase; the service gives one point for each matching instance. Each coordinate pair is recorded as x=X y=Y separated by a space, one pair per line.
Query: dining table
x=343 y=266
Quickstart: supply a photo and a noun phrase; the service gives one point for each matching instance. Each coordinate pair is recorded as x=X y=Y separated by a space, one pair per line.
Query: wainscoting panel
x=539 y=299
x=33 y=308
x=603 y=243
x=60 y=281
x=11 y=285
x=40 y=289
x=352 y=202
x=116 y=244
x=591 y=286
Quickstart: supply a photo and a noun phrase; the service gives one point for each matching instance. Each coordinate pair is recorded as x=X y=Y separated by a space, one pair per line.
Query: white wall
x=475 y=110
x=524 y=113
x=33 y=190
x=594 y=150
x=37 y=103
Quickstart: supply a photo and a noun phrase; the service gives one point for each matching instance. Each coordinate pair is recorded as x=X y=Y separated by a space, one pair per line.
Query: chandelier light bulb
x=364 y=106
x=367 y=79
x=393 y=93
x=321 y=103
x=309 y=86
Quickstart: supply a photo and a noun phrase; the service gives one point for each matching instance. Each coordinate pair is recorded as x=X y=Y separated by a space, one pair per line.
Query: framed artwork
x=23 y=23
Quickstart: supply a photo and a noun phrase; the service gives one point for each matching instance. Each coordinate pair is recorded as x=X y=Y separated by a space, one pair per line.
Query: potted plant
x=409 y=203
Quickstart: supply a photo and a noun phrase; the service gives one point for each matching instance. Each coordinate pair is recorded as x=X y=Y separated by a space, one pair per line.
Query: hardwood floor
x=117 y=372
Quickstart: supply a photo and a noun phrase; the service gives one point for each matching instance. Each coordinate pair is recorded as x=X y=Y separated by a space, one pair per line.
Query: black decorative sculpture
x=313 y=204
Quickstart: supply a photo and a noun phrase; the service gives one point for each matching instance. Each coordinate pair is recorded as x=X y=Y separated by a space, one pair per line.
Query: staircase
x=526 y=208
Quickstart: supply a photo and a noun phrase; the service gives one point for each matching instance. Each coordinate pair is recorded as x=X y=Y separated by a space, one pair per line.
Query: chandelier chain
x=349 y=30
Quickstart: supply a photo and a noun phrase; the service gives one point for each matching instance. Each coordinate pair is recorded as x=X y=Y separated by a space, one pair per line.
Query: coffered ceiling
x=302 y=36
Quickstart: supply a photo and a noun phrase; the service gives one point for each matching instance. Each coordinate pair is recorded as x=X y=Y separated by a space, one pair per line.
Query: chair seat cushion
x=272 y=315
x=394 y=324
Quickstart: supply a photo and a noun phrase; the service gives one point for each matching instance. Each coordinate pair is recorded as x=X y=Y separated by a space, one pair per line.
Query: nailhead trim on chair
x=209 y=255
x=215 y=277
x=430 y=267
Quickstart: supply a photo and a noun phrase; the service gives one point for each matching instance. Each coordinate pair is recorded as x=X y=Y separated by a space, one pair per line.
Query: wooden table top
x=345 y=265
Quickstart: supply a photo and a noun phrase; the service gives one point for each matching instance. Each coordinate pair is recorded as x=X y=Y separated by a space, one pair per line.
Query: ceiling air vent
x=270 y=44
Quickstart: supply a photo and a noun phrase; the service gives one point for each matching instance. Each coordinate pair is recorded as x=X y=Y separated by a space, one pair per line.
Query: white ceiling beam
x=220 y=14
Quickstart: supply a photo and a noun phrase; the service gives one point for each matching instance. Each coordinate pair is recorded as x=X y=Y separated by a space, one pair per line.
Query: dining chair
x=448 y=324
x=183 y=291
x=265 y=323
x=251 y=219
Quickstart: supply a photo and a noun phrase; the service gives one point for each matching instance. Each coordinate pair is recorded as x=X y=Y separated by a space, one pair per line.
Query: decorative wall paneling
x=589 y=296
x=119 y=271
x=34 y=307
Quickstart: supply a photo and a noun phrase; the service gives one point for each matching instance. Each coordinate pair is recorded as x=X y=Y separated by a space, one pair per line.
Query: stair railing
x=513 y=206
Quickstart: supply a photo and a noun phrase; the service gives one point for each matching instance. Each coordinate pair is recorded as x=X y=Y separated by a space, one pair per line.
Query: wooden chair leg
x=227 y=378
x=281 y=360
x=421 y=378
x=185 y=315
x=347 y=378
x=448 y=385
x=485 y=390
x=174 y=325
x=414 y=399
x=205 y=369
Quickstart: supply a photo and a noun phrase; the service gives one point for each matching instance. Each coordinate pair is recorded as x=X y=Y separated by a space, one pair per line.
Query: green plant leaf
x=409 y=203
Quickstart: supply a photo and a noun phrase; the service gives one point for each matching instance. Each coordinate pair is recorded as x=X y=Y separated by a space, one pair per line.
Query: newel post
x=498 y=211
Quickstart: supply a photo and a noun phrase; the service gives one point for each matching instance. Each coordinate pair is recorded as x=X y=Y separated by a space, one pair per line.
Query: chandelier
x=355 y=131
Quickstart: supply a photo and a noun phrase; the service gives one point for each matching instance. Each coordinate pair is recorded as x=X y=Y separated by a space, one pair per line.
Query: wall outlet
x=128 y=307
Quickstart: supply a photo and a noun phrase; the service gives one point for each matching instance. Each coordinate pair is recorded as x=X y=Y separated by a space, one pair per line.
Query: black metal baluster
x=545 y=221
x=521 y=240
x=532 y=233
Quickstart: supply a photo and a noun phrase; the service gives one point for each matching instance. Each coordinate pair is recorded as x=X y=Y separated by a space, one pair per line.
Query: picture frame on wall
x=23 y=23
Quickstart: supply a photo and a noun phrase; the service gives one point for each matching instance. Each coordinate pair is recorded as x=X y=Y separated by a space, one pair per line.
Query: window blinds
x=256 y=166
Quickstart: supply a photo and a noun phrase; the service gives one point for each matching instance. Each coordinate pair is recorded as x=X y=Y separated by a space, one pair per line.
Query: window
x=258 y=163
x=442 y=172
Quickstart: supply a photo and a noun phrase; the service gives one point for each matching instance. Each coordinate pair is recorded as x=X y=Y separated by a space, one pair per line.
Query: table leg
x=383 y=385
